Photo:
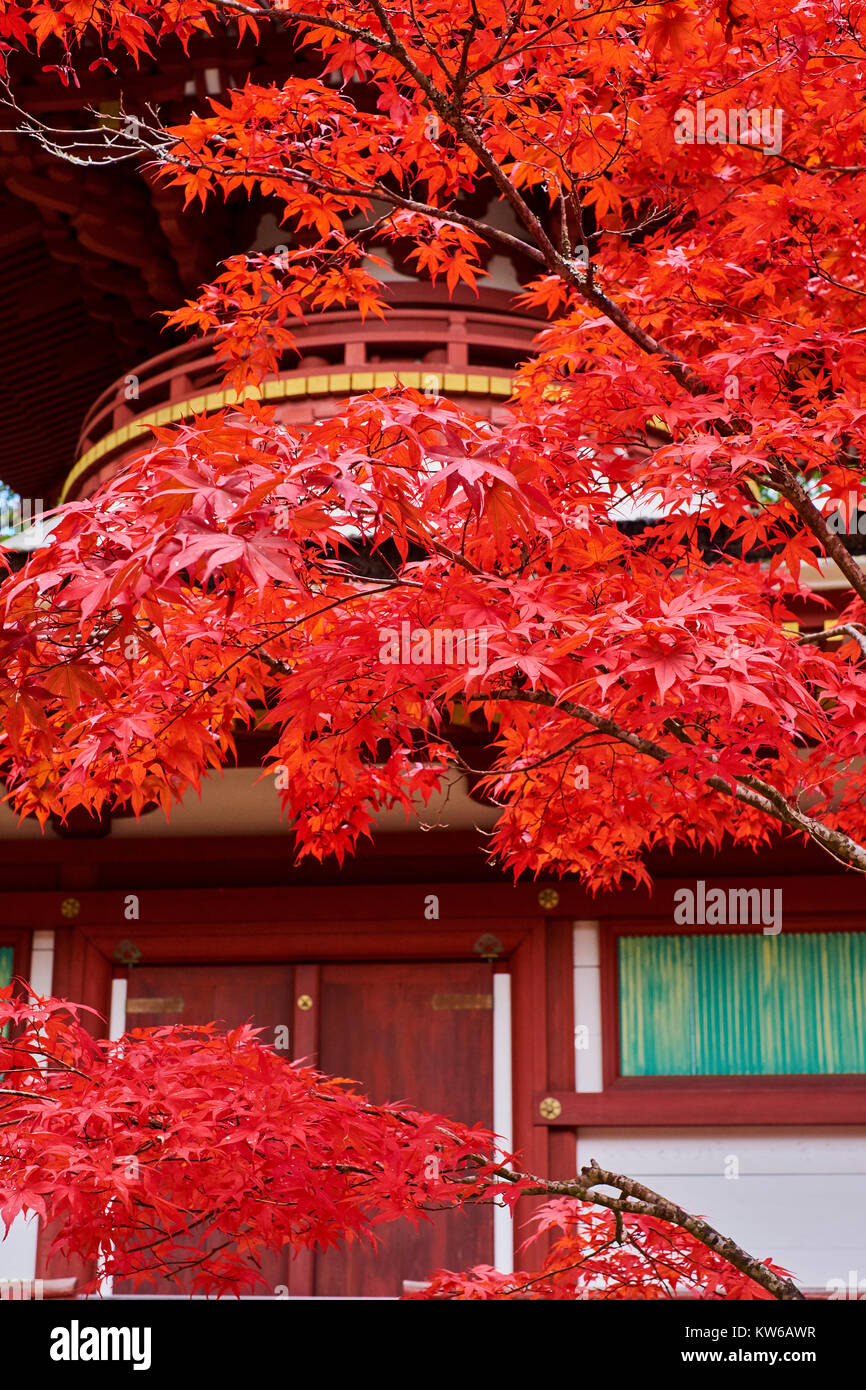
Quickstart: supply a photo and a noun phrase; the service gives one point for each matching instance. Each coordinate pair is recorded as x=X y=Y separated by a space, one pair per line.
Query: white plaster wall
x=503 y=1219
x=587 y=1008
x=799 y=1196
x=242 y=802
x=18 y=1250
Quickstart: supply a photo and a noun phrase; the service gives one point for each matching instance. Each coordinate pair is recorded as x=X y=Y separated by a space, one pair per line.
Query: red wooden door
x=261 y=995
x=417 y=1031
x=422 y=1032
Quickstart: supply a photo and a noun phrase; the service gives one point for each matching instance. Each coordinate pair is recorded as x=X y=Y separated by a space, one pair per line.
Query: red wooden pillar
x=81 y=974
x=543 y=1025
x=529 y=1005
x=562 y=1143
x=305 y=1046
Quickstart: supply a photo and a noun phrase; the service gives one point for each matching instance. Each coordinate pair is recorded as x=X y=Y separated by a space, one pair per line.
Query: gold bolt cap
x=550 y=1108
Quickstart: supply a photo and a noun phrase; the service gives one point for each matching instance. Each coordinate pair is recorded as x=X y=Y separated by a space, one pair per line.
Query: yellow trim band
x=282 y=389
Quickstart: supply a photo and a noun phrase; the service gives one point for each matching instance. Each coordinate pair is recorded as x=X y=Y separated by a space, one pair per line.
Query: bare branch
x=636 y=1199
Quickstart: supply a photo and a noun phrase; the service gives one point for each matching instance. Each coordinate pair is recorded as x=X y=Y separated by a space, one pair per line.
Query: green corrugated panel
x=745 y=1004
x=655 y=982
x=6 y=958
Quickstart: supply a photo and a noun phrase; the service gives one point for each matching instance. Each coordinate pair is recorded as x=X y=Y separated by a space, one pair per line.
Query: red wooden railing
x=483 y=335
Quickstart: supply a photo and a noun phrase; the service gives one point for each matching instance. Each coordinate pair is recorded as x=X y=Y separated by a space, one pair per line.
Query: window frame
x=20 y=942
x=727 y=930
x=726 y=1098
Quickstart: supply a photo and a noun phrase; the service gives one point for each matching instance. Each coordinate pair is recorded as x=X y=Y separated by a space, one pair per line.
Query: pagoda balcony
x=466 y=348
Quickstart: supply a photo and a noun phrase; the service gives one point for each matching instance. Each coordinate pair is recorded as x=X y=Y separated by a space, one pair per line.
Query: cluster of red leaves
x=194 y=1149
x=590 y=1258
x=629 y=681
x=205 y=584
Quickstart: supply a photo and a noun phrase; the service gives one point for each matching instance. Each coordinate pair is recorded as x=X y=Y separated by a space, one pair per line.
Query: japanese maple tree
x=637 y=690
x=700 y=267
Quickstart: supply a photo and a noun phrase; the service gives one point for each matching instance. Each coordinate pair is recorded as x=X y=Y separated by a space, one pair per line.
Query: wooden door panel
x=414 y=1031
x=420 y=1032
x=226 y=994
x=261 y=995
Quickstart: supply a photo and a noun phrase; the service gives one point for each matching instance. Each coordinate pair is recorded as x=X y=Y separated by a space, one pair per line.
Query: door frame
x=311 y=926
x=305 y=1034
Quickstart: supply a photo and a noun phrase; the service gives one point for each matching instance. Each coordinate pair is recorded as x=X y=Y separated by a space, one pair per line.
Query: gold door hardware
x=488 y=947
x=462 y=1001
x=550 y=1108
x=127 y=953
x=304 y=1002
x=154 y=1006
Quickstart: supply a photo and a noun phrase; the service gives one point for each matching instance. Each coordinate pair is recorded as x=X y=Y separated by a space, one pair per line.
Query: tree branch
x=752 y=791
x=638 y=1200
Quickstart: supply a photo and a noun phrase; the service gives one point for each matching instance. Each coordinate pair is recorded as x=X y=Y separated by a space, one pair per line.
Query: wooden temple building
x=554 y=1016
